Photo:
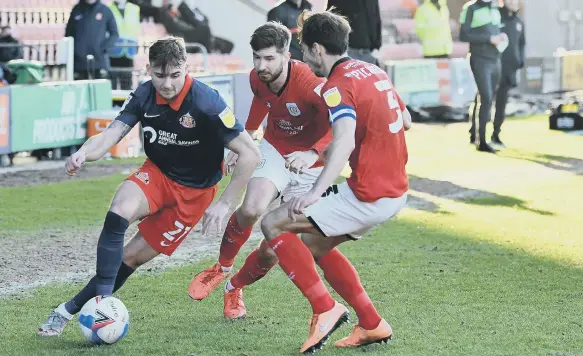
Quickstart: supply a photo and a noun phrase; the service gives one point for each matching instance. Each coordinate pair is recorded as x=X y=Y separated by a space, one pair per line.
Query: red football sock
x=234 y=238
x=253 y=270
x=342 y=276
x=297 y=262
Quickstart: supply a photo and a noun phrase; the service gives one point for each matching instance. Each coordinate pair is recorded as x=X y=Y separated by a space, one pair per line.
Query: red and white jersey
x=298 y=118
x=363 y=92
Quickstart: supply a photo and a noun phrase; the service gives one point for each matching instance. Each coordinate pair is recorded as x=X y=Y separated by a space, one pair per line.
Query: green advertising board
x=51 y=115
x=417 y=81
x=415 y=76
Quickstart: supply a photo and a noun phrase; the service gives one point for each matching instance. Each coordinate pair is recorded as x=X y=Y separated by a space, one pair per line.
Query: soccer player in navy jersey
x=186 y=126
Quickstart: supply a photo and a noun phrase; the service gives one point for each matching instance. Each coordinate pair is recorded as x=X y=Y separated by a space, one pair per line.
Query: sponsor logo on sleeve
x=332 y=97
x=227 y=117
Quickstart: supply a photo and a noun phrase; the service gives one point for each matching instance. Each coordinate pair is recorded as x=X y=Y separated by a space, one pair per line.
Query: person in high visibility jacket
x=127 y=18
x=432 y=28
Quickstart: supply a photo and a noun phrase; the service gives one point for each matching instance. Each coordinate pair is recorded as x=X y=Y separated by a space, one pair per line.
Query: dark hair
x=271 y=34
x=325 y=28
x=166 y=52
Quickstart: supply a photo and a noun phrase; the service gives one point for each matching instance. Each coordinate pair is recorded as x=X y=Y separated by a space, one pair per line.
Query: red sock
x=234 y=238
x=253 y=270
x=297 y=262
x=342 y=276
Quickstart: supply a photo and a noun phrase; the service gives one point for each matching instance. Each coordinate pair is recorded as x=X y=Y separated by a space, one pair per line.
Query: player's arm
x=407 y=119
x=257 y=114
x=248 y=160
x=97 y=146
x=339 y=151
x=231 y=132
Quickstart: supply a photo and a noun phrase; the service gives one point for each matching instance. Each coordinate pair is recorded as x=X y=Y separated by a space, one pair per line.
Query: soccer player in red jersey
x=297 y=131
x=368 y=120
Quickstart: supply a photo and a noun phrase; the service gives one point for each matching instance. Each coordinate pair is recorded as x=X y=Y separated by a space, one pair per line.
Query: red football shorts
x=174 y=209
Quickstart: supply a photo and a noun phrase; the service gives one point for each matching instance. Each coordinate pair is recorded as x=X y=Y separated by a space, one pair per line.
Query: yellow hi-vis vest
x=128 y=27
x=432 y=28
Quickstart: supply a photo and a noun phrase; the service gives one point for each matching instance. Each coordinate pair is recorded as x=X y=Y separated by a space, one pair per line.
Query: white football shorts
x=288 y=184
x=341 y=213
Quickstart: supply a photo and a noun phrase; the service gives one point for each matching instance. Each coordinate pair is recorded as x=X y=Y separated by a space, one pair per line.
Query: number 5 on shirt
x=385 y=85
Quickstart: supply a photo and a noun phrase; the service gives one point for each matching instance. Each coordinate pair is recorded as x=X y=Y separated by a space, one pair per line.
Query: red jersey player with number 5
x=368 y=120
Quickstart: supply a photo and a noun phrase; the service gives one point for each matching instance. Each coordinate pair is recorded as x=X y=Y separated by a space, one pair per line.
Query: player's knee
x=122 y=210
x=269 y=226
x=251 y=212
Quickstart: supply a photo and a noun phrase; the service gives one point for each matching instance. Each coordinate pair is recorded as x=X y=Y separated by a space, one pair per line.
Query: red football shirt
x=297 y=117
x=363 y=92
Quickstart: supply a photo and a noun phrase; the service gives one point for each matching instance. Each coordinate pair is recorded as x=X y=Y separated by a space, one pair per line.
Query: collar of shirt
x=177 y=103
x=338 y=62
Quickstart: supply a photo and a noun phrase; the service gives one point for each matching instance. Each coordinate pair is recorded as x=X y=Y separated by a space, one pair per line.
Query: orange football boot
x=206 y=281
x=234 y=307
x=322 y=326
x=361 y=337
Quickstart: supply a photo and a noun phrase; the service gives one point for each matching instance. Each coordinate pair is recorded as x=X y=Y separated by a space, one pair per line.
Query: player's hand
x=298 y=203
x=503 y=37
x=495 y=40
x=214 y=216
x=298 y=162
x=230 y=162
x=74 y=163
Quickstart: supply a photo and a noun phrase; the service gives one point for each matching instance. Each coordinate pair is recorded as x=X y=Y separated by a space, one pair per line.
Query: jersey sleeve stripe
x=340 y=107
x=338 y=114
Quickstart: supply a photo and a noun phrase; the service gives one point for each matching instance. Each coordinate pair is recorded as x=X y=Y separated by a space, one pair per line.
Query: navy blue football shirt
x=184 y=138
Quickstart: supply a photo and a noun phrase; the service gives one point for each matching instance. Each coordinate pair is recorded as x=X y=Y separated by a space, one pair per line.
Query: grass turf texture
x=491 y=269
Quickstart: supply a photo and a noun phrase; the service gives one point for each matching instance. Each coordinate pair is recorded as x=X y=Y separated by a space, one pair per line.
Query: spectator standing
x=127 y=18
x=11 y=50
x=432 y=28
x=480 y=26
x=287 y=13
x=364 y=17
x=512 y=61
x=93 y=27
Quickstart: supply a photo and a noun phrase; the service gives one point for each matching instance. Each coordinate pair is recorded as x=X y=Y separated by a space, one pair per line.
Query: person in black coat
x=93 y=27
x=512 y=61
x=11 y=51
x=364 y=17
x=287 y=13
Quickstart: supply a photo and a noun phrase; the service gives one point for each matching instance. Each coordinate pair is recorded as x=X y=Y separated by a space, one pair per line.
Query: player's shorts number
x=175 y=235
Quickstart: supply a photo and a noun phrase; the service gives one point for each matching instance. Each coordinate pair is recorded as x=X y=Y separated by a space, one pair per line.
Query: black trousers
x=487 y=75
x=507 y=82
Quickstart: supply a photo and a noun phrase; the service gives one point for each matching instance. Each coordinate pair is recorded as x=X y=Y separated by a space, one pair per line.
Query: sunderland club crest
x=187 y=121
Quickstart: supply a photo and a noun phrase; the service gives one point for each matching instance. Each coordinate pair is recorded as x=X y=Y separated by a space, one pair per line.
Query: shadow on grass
x=452 y=191
x=559 y=163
